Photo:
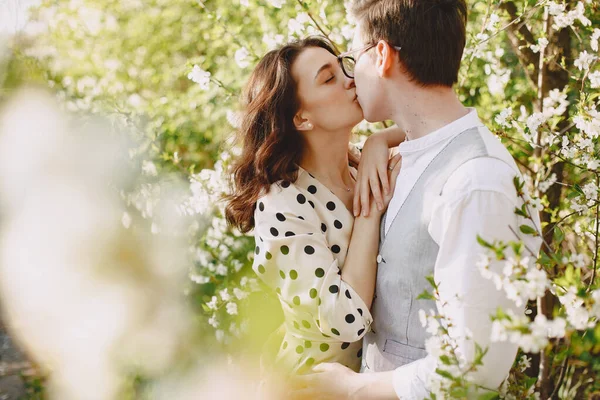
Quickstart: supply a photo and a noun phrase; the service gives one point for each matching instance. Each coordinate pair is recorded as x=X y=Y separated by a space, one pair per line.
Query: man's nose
x=348 y=83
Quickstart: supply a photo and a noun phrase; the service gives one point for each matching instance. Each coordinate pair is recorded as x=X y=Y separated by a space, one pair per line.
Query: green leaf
x=425 y=296
x=483 y=243
x=445 y=359
x=431 y=281
x=528 y=230
x=445 y=374
x=558 y=235
x=489 y=396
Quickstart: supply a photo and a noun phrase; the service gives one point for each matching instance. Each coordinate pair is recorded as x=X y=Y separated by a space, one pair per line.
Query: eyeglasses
x=347 y=62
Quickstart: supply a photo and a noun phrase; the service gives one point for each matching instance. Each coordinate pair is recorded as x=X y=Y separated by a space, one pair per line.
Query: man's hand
x=328 y=381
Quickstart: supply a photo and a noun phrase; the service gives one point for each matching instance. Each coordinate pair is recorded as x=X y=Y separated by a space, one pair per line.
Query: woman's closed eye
x=330 y=79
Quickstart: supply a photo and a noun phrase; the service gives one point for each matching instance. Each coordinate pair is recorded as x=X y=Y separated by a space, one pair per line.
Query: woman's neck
x=326 y=157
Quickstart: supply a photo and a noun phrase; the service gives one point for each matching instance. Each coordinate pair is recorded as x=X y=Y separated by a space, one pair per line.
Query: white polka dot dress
x=302 y=233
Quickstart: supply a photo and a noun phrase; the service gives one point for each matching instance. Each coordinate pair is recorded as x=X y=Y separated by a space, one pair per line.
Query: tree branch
x=521 y=38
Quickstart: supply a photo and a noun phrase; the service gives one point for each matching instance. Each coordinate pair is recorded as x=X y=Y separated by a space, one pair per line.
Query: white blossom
x=126 y=220
x=594 y=78
x=212 y=304
x=241 y=57
x=232 y=308
x=546 y=184
x=149 y=168
x=200 y=76
x=594 y=39
x=277 y=3
x=584 y=60
x=542 y=43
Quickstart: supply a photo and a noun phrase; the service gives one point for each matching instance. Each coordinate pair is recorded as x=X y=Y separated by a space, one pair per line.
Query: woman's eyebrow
x=323 y=67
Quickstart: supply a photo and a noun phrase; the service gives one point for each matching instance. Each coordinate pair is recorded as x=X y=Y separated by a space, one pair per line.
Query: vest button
x=379 y=258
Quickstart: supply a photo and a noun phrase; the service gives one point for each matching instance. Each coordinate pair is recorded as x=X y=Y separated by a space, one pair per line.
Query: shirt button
x=379 y=258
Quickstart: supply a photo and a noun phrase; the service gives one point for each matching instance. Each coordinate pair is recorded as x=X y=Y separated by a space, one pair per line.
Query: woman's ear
x=385 y=58
x=301 y=123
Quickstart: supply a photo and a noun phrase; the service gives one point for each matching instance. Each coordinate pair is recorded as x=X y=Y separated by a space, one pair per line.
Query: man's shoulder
x=494 y=171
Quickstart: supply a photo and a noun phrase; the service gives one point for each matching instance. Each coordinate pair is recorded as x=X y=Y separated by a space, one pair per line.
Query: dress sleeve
x=292 y=256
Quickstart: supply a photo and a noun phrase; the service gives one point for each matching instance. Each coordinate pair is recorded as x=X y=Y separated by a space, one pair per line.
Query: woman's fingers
x=365 y=193
x=383 y=177
x=375 y=189
x=395 y=164
x=356 y=201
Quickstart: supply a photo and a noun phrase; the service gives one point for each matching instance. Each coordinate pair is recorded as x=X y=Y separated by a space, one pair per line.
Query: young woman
x=293 y=185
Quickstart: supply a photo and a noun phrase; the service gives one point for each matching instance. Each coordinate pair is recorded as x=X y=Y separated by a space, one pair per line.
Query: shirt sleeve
x=294 y=258
x=485 y=210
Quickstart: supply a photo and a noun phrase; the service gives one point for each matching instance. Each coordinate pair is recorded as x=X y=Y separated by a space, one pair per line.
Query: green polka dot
x=313 y=293
x=268 y=256
x=319 y=301
x=296 y=325
x=320 y=272
x=282 y=274
x=284 y=346
x=285 y=250
x=307 y=344
x=261 y=269
x=318 y=323
x=299 y=349
x=335 y=331
x=306 y=324
x=324 y=347
x=310 y=361
x=293 y=274
x=296 y=300
x=278 y=290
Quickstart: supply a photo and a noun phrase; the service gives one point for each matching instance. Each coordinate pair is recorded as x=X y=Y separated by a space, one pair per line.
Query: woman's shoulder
x=285 y=197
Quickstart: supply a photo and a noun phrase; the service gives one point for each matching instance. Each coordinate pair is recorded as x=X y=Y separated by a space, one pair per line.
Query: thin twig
x=312 y=18
x=561 y=377
x=597 y=232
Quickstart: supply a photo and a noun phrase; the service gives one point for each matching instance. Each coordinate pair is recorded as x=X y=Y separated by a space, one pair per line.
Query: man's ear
x=301 y=122
x=385 y=58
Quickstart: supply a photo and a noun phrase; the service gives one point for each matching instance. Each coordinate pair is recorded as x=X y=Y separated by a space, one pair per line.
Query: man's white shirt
x=479 y=199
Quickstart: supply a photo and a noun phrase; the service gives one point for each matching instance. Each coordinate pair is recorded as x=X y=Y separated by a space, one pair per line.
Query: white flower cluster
x=544 y=185
x=532 y=337
x=503 y=119
x=556 y=103
x=589 y=198
x=564 y=19
x=579 y=314
x=443 y=345
x=228 y=299
x=208 y=188
x=520 y=279
x=542 y=43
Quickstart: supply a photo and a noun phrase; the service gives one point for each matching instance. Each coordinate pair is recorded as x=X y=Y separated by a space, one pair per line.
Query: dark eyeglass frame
x=347 y=55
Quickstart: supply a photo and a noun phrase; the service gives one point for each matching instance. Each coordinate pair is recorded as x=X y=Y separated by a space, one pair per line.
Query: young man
x=456 y=183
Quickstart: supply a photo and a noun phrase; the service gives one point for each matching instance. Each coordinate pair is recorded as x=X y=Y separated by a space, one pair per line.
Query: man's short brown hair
x=430 y=32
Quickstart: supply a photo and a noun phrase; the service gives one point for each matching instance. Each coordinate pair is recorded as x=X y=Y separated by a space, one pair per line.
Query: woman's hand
x=393 y=169
x=353 y=155
x=373 y=176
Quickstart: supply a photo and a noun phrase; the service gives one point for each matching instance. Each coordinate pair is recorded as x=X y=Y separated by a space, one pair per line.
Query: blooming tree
x=174 y=69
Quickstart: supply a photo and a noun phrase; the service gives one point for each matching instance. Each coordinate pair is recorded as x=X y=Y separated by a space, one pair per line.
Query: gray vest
x=407 y=254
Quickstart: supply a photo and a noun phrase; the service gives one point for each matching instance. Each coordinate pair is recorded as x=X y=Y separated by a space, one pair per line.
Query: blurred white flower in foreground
x=87 y=298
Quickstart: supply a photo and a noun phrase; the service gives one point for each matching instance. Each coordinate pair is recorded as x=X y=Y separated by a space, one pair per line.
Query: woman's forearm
x=393 y=136
x=360 y=267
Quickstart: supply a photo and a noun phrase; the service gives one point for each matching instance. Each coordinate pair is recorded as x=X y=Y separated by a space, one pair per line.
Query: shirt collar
x=469 y=121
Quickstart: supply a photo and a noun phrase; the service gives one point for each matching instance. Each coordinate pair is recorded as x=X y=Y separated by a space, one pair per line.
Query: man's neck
x=425 y=110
